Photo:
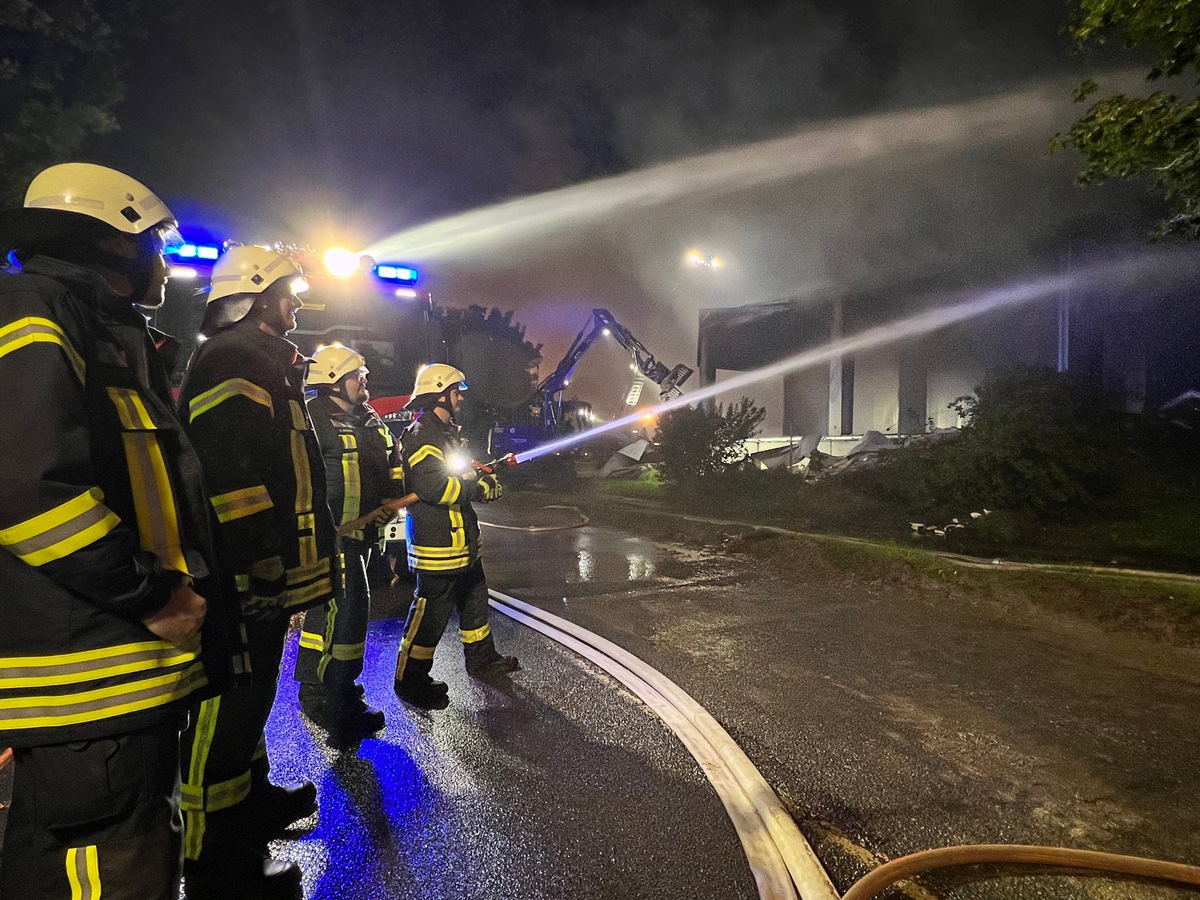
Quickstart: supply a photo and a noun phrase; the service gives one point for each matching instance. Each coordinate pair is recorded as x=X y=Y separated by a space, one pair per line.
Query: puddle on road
x=552 y=549
x=572 y=555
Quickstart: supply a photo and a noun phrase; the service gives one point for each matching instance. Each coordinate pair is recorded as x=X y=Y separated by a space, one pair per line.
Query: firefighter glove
x=490 y=486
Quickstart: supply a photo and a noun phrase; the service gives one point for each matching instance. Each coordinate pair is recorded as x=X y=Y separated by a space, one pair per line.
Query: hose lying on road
x=1061 y=857
x=783 y=863
x=781 y=860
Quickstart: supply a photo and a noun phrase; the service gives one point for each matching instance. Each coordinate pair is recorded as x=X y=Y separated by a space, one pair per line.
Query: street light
x=698 y=258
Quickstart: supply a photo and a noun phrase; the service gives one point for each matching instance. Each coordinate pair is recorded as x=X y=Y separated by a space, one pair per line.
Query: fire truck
x=377 y=308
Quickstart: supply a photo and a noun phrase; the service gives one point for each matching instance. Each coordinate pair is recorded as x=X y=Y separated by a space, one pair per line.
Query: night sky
x=890 y=140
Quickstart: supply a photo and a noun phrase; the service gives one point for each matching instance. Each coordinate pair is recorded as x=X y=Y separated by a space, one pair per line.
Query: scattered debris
x=920 y=529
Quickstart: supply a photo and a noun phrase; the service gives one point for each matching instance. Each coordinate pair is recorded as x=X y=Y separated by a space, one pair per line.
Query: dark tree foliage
x=702 y=441
x=1034 y=440
x=61 y=77
x=1156 y=137
x=499 y=363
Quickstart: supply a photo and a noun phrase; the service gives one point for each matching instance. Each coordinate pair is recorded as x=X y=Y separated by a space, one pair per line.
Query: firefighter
x=443 y=542
x=242 y=402
x=362 y=468
x=107 y=560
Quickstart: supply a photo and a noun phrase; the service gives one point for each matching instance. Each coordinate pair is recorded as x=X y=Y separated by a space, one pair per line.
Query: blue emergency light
x=396 y=273
x=194 y=251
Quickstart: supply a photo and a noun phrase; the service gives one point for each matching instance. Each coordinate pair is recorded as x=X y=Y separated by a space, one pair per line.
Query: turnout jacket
x=362 y=466
x=102 y=514
x=442 y=528
x=242 y=402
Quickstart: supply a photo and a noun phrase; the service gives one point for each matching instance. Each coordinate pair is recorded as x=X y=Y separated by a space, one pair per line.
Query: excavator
x=555 y=419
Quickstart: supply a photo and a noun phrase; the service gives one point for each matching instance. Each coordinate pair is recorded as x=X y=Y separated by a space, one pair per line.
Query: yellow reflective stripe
x=75 y=668
x=234 y=387
x=83 y=872
x=310 y=641
x=153 y=496
x=318 y=589
x=331 y=615
x=424 y=451
x=299 y=421
x=61 y=531
x=351 y=479
x=206 y=728
x=195 y=822
x=438 y=565
x=241 y=503
x=416 y=651
x=304 y=494
x=306 y=535
x=67 y=659
x=349 y=652
x=438 y=552
x=217 y=796
x=450 y=495
x=397 y=473
x=154 y=500
x=104 y=703
x=36 y=330
x=300 y=574
x=476 y=635
x=130 y=408
x=414 y=623
x=458 y=529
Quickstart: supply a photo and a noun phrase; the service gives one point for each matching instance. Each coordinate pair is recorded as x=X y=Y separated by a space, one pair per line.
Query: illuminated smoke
x=919 y=324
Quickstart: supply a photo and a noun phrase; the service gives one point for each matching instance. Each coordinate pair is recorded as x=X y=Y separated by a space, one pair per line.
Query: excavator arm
x=601 y=323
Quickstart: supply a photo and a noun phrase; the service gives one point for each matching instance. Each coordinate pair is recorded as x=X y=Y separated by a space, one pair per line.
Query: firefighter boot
x=349 y=718
x=415 y=685
x=229 y=866
x=271 y=810
x=247 y=874
x=485 y=661
x=313 y=702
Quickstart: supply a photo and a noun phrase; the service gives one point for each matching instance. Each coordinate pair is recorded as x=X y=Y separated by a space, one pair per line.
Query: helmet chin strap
x=136 y=271
x=443 y=402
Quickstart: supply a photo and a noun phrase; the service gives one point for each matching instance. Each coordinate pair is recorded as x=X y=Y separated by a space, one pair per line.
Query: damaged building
x=1136 y=333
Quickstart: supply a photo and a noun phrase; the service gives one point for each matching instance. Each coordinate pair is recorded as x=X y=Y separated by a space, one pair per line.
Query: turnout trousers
x=334 y=636
x=223 y=753
x=92 y=819
x=437 y=595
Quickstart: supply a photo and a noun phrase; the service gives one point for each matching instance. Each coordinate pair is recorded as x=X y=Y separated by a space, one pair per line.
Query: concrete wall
x=877 y=391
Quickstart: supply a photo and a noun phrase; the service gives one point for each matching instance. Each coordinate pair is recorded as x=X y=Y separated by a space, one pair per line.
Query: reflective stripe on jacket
x=362 y=467
x=443 y=530
x=102 y=514
x=242 y=403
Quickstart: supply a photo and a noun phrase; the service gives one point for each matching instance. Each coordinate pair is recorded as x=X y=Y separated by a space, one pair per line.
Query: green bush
x=702 y=441
x=1034 y=440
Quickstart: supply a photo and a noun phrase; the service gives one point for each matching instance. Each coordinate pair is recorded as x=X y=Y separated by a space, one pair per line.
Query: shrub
x=702 y=441
x=1034 y=440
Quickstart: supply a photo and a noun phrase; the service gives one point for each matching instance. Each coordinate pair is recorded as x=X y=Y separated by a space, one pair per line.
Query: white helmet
x=237 y=277
x=99 y=192
x=434 y=380
x=331 y=364
x=249 y=270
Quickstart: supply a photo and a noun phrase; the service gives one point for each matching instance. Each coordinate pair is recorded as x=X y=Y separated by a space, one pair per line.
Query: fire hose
x=389 y=509
x=887 y=874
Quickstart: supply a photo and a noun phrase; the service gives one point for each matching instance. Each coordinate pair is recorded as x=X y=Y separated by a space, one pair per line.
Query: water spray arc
x=913 y=326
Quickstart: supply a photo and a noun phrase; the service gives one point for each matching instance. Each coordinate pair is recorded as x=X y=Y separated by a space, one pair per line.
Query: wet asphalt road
x=555 y=783
x=888 y=721
x=894 y=721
